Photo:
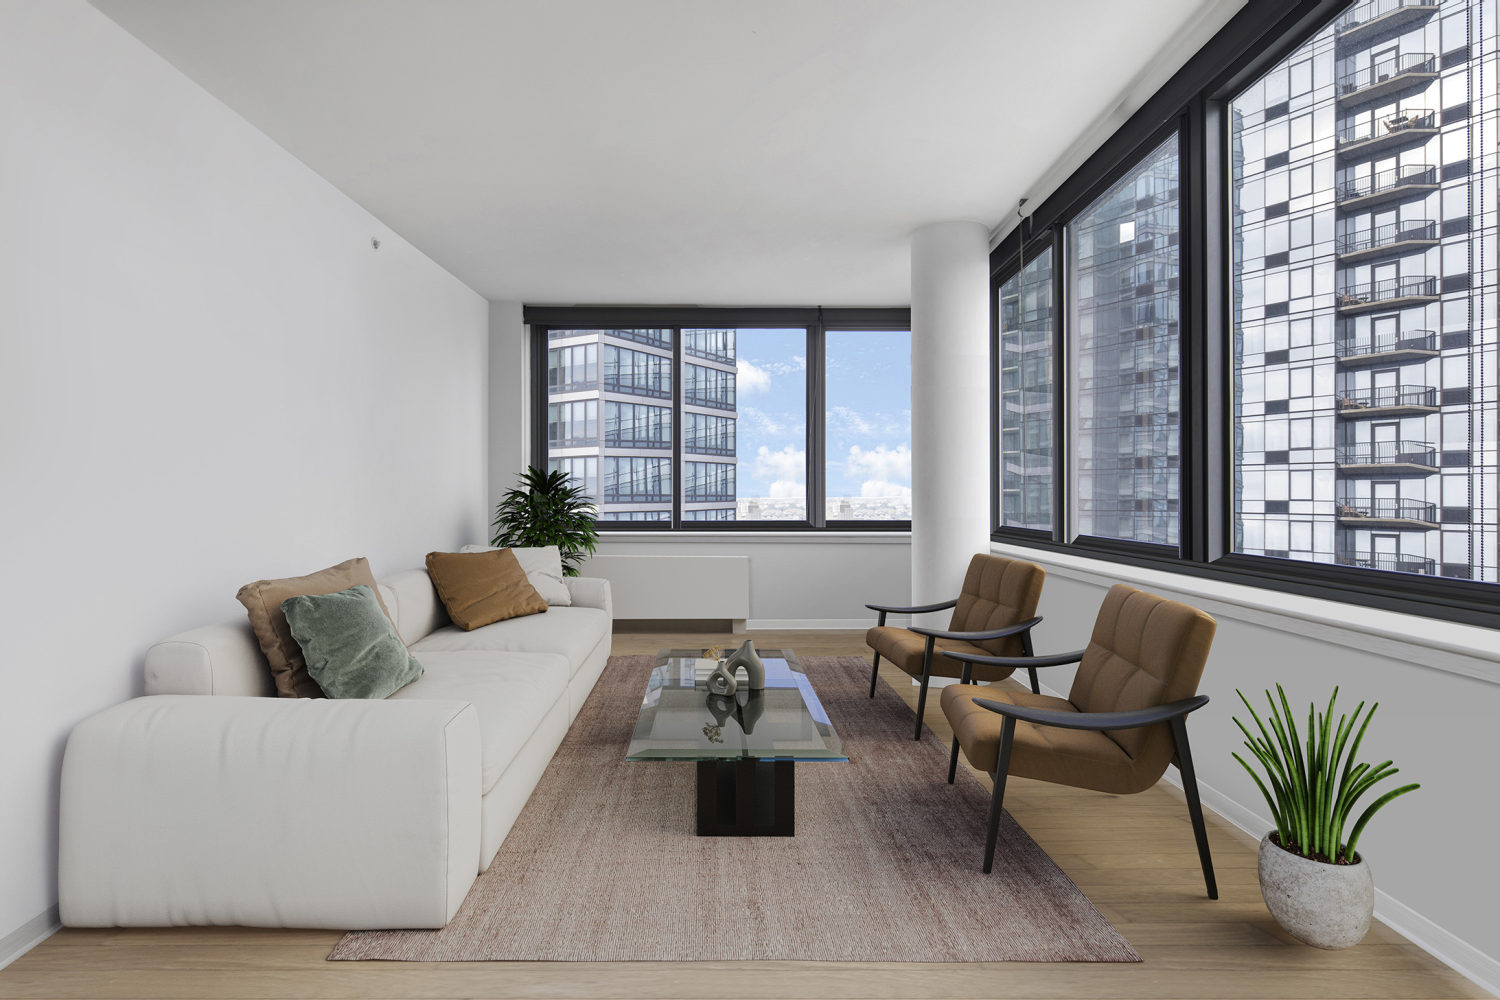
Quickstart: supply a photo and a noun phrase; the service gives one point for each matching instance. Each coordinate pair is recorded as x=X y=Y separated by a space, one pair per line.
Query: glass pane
x=1122 y=254
x=744 y=433
x=1026 y=397
x=609 y=418
x=1363 y=399
x=867 y=429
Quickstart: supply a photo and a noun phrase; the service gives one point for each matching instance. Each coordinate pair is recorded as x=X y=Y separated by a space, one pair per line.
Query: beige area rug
x=603 y=864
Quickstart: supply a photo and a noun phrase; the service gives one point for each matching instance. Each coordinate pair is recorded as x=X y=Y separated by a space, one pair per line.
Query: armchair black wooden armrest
x=998 y=633
x=1028 y=661
x=891 y=609
x=1097 y=720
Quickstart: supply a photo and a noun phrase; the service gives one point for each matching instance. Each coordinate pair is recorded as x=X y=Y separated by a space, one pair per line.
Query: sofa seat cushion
x=511 y=691
x=570 y=632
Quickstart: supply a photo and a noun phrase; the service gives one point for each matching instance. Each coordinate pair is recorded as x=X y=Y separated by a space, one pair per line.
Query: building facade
x=1364 y=213
x=610 y=420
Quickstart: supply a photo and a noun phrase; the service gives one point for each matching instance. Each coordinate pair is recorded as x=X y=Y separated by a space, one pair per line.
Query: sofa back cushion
x=414 y=604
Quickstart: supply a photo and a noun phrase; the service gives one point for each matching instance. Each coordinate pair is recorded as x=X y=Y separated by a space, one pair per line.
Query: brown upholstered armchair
x=992 y=616
x=1123 y=721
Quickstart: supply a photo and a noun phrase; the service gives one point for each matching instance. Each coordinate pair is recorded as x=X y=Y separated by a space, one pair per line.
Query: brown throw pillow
x=262 y=599
x=479 y=588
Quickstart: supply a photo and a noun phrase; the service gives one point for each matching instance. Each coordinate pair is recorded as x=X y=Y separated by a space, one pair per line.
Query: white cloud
x=852 y=421
x=786 y=469
x=879 y=464
x=749 y=378
x=883 y=488
x=762 y=420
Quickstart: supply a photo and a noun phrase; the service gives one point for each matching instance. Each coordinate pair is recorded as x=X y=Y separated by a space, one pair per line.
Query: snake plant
x=1311 y=794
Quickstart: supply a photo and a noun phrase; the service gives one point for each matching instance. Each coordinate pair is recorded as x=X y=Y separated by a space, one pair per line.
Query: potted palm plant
x=1314 y=882
x=547 y=508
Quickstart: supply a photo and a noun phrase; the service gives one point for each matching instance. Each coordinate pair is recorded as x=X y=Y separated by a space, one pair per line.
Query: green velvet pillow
x=351 y=648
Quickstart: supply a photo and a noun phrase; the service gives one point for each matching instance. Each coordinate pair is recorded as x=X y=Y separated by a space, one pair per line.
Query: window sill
x=1467 y=650
x=835 y=537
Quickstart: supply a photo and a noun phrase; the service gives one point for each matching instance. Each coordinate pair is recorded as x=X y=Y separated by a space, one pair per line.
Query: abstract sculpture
x=722 y=680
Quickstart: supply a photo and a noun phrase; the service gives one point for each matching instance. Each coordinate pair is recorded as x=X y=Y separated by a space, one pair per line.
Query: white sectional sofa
x=184 y=808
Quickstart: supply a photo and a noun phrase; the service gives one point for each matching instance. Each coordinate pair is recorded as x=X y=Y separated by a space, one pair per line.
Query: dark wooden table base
x=747 y=798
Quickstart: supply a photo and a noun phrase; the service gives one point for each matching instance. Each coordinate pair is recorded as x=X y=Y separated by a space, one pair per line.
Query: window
x=868 y=427
x=1362 y=369
x=686 y=423
x=1122 y=254
x=1025 y=378
x=1272 y=355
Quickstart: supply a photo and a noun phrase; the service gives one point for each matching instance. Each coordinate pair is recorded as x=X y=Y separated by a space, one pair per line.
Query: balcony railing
x=1364 y=14
x=1389 y=290
x=1387 y=126
x=1422 y=341
x=1383 y=182
x=1388 y=510
x=1372 y=240
x=1388 y=74
x=1388 y=453
x=1388 y=397
x=1389 y=562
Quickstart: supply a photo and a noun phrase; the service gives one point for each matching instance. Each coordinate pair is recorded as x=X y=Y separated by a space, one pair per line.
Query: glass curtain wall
x=868 y=425
x=1125 y=345
x=1363 y=200
x=1025 y=378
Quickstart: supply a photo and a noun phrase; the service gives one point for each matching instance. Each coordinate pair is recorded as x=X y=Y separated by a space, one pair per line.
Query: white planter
x=1326 y=906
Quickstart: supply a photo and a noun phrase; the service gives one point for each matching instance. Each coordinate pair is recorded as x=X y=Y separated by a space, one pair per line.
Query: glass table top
x=681 y=720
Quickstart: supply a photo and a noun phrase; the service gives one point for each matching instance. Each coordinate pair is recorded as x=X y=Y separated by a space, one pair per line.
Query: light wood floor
x=1133 y=856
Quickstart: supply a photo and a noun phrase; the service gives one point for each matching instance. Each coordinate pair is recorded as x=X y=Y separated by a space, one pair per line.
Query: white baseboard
x=30 y=934
x=823 y=623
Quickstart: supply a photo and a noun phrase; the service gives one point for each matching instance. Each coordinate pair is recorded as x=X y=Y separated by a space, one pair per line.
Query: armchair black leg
x=874 y=674
x=1026 y=650
x=1195 y=808
x=997 y=800
x=953 y=762
x=922 y=692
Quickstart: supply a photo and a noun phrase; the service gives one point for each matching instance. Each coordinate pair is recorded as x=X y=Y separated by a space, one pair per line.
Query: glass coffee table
x=746 y=745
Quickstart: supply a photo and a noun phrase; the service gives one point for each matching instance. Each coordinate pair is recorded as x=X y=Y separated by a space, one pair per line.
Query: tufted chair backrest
x=1145 y=651
x=997 y=592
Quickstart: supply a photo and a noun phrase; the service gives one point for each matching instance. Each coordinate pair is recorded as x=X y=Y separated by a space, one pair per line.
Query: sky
x=869 y=413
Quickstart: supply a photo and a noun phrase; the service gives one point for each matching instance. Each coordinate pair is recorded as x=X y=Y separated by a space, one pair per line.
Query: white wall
x=207 y=376
x=796 y=580
x=509 y=398
x=1432 y=852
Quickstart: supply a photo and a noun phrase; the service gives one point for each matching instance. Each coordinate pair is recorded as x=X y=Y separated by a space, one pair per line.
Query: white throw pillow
x=544 y=571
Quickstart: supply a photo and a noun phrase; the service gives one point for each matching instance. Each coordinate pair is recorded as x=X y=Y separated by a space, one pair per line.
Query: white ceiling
x=679 y=151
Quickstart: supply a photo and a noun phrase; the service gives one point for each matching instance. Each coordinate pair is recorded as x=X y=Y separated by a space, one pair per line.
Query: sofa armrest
x=590 y=592
x=223 y=659
x=267 y=812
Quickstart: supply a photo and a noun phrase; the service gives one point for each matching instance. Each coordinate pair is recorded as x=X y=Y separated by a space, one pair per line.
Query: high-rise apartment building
x=1364 y=212
x=609 y=420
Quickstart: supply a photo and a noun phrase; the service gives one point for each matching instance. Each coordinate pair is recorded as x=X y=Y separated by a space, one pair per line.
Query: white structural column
x=950 y=408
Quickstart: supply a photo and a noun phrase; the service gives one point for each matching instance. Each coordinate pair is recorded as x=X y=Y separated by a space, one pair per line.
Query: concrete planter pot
x=1326 y=906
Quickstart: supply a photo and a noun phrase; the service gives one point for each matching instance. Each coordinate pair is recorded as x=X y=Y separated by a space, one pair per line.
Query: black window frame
x=1195 y=103
x=817 y=321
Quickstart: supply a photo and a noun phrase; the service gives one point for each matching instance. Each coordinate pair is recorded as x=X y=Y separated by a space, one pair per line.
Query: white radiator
x=675 y=586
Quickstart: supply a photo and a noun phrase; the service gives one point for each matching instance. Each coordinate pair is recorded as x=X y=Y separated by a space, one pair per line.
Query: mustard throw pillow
x=479 y=588
x=262 y=600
